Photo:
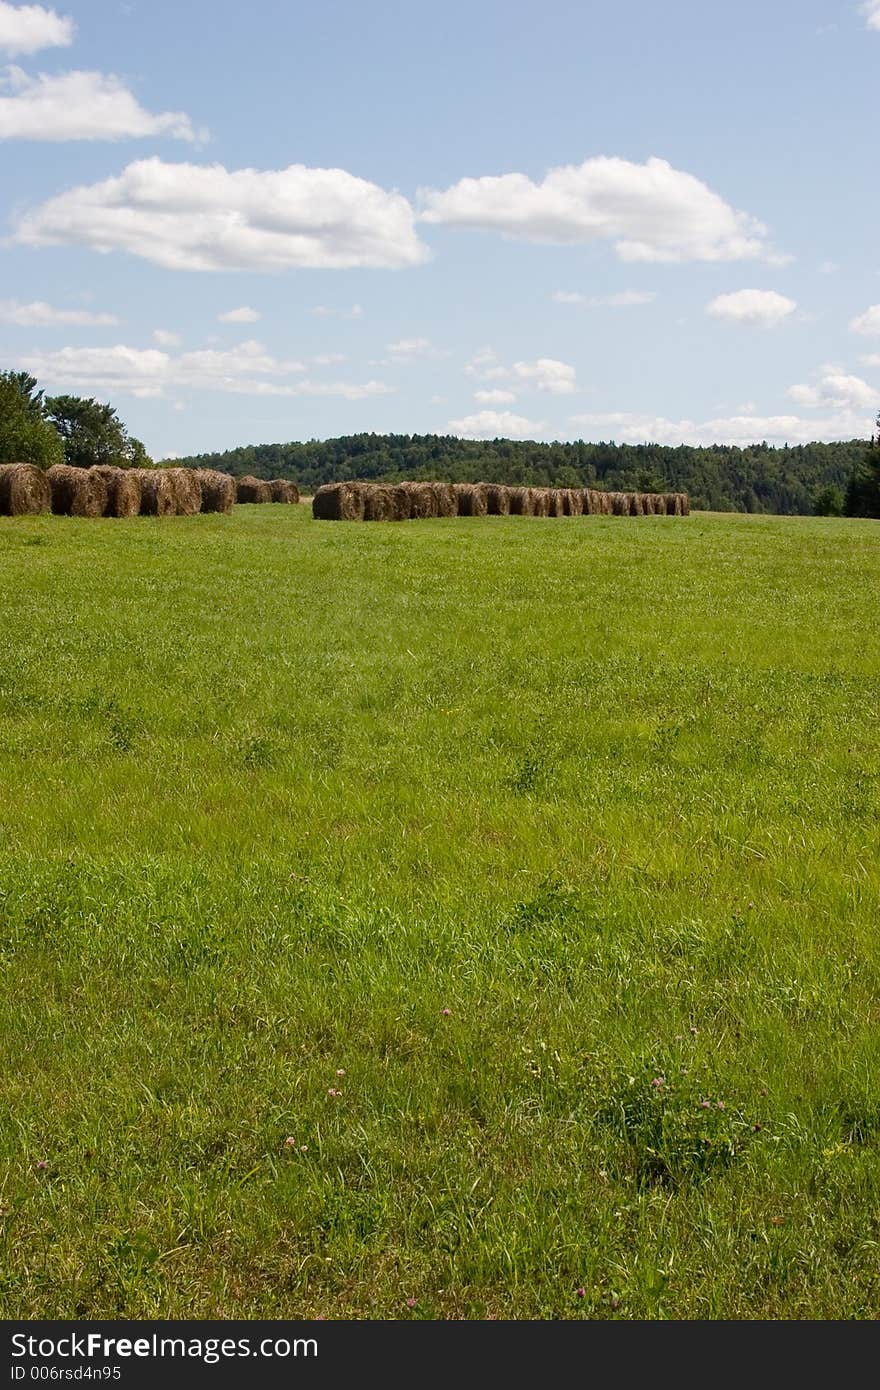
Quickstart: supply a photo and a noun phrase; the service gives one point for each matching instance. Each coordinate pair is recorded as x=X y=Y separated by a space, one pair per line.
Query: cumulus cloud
x=545 y=374
x=165 y=338
x=868 y=322
x=625 y=299
x=495 y=424
x=37 y=314
x=651 y=212
x=80 y=106
x=497 y=397
x=871 y=11
x=242 y=315
x=247 y=369
x=835 y=388
x=28 y=28
x=740 y=430
x=206 y=217
x=872 y=359
x=752 y=308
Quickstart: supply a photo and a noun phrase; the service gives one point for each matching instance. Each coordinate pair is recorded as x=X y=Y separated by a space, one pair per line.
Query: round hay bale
x=555 y=502
x=619 y=504
x=682 y=504
x=123 y=489
x=471 y=499
x=386 y=502
x=422 y=500
x=283 y=491
x=250 y=489
x=339 y=502
x=636 y=504
x=218 y=489
x=572 y=501
x=77 y=491
x=497 y=499
x=540 y=501
x=25 y=490
x=187 y=490
x=157 y=492
x=520 y=501
x=445 y=500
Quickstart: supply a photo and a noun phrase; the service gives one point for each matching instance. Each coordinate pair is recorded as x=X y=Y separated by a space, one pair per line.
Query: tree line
x=827 y=479
x=806 y=478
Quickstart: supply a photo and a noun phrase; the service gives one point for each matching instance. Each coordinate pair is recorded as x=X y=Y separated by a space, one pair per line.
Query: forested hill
x=719 y=478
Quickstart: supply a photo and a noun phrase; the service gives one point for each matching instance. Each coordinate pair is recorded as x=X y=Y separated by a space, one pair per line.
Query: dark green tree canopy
x=92 y=433
x=863 y=489
x=26 y=436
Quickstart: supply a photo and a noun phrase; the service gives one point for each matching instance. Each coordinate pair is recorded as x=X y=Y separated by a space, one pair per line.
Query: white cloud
x=871 y=11
x=329 y=359
x=650 y=211
x=498 y=397
x=868 y=322
x=247 y=369
x=28 y=28
x=752 y=308
x=741 y=430
x=835 y=388
x=206 y=217
x=413 y=349
x=40 y=315
x=325 y=311
x=872 y=359
x=545 y=374
x=165 y=338
x=623 y=300
x=495 y=424
x=80 y=106
x=242 y=315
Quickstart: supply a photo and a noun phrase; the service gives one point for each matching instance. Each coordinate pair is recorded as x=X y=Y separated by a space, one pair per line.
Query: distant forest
x=800 y=479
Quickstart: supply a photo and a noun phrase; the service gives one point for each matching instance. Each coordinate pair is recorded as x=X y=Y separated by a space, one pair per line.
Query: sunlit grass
x=557 y=839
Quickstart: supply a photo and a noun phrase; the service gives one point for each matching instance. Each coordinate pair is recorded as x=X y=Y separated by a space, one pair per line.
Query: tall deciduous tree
x=26 y=436
x=92 y=433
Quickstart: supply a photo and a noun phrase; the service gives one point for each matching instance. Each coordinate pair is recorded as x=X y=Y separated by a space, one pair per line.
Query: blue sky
x=569 y=220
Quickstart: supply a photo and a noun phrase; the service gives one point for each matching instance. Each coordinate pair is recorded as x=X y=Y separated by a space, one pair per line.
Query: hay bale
x=250 y=489
x=636 y=503
x=187 y=490
x=339 y=502
x=217 y=489
x=123 y=489
x=619 y=504
x=555 y=502
x=158 y=497
x=386 y=502
x=540 y=501
x=284 y=491
x=422 y=500
x=25 y=490
x=471 y=499
x=497 y=499
x=520 y=500
x=445 y=499
x=76 y=491
x=572 y=501
x=682 y=504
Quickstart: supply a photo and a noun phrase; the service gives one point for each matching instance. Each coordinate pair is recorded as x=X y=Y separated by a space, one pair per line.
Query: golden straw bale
x=187 y=490
x=123 y=489
x=76 y=491
x=24 y=490
x=445 y=499
x=540 y=501
x=158 y=497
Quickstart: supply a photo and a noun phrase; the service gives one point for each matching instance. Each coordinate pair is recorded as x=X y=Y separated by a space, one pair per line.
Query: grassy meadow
x=455 y=919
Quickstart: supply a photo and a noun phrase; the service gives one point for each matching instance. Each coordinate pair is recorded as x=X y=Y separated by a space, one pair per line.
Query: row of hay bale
x=408 y=501
x=106 y=491
x=250 y=489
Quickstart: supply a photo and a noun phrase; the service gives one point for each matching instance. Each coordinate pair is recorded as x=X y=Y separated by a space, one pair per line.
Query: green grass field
x=482 y=913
